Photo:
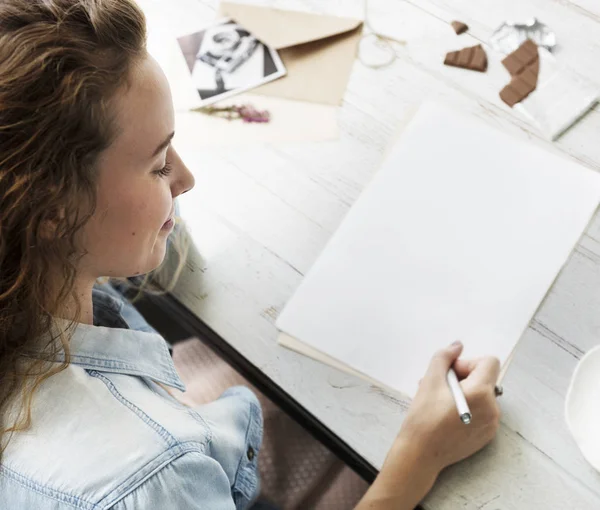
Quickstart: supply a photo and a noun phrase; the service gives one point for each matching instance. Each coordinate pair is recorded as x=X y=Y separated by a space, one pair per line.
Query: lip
x=168 y=225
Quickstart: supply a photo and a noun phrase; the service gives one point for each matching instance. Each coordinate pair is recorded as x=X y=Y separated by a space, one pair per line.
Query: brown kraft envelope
x=318 y=51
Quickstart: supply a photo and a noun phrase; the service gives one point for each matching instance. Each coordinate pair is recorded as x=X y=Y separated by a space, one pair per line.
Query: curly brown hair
x=61 y=64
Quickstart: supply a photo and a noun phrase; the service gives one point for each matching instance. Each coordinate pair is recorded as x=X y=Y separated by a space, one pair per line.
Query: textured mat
x=297 y=472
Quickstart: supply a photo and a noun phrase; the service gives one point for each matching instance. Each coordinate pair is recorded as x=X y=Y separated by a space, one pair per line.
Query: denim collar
x=111 y=346
x=123 y=351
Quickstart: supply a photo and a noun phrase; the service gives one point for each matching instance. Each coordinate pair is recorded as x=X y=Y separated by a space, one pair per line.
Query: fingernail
x=456 y=344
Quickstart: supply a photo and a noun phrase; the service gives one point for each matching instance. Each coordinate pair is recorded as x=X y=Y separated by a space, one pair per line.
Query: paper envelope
x=318 y=51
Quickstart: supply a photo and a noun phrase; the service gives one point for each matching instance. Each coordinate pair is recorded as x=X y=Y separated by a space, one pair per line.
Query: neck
x=82 y=291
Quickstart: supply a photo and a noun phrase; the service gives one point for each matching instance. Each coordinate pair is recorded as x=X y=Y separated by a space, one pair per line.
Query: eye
x=164 y=171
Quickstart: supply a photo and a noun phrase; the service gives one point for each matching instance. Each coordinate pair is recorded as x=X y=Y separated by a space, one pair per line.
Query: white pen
x=459 y=397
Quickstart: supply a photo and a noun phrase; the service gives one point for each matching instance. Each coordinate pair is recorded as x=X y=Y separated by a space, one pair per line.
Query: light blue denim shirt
x=104 y=435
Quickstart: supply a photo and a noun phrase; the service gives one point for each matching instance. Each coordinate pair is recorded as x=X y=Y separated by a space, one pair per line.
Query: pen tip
x=466 y=418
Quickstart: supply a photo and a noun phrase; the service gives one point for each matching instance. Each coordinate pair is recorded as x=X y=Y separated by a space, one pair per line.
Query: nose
x=183 y=179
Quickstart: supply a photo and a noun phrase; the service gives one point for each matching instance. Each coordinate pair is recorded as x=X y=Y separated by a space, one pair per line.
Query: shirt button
x=250 y=453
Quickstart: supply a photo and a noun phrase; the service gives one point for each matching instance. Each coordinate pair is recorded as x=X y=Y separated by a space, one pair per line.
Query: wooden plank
x=527 y=481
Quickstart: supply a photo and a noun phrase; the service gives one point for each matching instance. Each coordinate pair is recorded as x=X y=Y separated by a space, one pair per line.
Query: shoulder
x=96 y=445
x=192 y=481
x=188 y=481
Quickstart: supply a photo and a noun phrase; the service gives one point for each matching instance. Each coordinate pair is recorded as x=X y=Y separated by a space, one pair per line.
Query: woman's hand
x=433 y=436
x=433 y=426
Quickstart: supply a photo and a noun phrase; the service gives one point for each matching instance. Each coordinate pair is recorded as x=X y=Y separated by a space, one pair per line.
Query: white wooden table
x=262 y=215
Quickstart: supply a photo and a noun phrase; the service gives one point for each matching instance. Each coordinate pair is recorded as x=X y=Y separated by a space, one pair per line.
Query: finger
x=463 y=367
x=486 y=371
x=443 y=359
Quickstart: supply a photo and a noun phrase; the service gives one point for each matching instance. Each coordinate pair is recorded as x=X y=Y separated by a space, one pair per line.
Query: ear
x=48 y=229
x=49 y=226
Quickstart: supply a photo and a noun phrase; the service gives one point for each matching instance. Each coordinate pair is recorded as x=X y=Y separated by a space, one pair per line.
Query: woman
x=88 y=179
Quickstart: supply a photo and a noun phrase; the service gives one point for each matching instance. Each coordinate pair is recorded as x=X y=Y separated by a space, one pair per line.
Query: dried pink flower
x=246 y=112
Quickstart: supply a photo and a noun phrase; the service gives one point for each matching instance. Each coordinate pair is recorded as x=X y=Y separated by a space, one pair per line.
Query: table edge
x=194 y=326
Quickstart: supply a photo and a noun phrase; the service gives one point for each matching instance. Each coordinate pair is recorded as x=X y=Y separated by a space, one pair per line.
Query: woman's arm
x=432 y=436
x=402 y=483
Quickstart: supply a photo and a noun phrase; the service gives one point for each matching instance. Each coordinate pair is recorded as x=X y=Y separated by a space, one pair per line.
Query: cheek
x=124 y=236
x=124 y=219
x=138 y=212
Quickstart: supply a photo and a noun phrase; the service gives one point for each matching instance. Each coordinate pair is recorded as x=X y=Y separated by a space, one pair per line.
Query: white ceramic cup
x=582 y=406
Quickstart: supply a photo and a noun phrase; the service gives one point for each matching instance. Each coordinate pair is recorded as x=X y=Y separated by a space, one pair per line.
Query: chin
x=152 y=261
x=158 y=255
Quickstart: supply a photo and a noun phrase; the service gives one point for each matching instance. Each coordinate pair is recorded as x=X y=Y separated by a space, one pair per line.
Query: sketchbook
x=458 y=236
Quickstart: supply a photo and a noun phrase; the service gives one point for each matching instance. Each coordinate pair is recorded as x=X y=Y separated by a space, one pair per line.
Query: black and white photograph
x=226 y=59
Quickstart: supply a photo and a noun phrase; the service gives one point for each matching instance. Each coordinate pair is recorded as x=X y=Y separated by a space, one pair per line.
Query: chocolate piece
x=519 y=87
x=459 y=27
x=524 y=65
x=473 y=58
x=522 y=57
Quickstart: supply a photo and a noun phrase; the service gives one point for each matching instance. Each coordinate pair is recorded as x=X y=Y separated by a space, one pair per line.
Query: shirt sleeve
x=191 y=482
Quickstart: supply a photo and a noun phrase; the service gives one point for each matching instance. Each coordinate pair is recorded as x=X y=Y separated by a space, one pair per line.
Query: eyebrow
x=164 y=144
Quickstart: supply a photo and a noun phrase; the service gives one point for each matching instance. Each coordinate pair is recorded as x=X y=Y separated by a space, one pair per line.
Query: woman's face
x=140 y=175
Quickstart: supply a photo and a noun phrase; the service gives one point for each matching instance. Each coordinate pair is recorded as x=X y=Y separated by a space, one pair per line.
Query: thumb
x=443 y=359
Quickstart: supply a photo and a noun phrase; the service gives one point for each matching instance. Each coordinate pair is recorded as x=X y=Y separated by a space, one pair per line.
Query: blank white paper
x=459 y=235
